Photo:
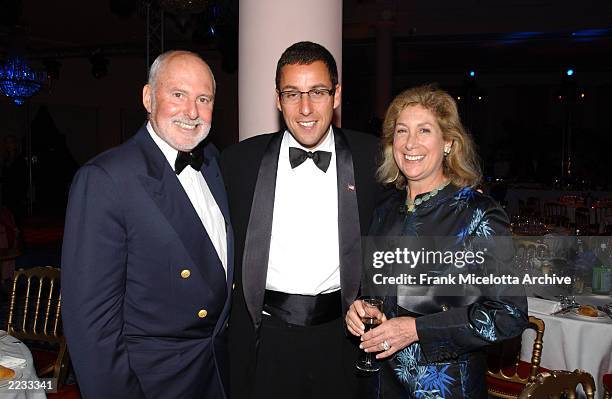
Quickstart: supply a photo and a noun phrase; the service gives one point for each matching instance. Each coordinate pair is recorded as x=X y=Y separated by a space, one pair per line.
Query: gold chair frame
x=536 y=357
x=556 y=213
x=559 y=383
x=43 y=324
x=529 y=246
x=582 y=220
x=607 y=394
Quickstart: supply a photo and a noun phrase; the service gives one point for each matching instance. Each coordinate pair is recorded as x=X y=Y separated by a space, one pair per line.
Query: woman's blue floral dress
x=448 y=361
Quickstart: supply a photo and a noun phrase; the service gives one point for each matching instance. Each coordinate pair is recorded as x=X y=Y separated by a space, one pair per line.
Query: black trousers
x=306 y=362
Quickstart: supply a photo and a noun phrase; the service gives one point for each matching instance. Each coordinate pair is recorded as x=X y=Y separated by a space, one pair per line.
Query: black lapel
x=259 y=230
x=348 y=222
x=165 y=189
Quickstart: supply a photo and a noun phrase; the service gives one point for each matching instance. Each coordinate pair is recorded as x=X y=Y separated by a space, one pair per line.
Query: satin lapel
x=166 y=190
x=348 y=222
x=259 y=230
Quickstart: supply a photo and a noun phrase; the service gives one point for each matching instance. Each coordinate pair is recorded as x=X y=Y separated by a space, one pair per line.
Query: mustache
x=191 y=122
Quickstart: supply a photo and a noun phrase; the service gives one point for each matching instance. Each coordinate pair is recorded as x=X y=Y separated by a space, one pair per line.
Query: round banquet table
x=11 y=346
x=574 y=342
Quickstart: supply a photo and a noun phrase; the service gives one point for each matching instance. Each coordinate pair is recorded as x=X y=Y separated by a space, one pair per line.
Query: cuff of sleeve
x=432 y=331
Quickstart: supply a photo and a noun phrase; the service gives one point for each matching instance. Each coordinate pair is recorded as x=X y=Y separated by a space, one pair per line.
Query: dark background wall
x=519 y=49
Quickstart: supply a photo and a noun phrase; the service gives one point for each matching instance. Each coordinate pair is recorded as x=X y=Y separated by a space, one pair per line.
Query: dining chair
x=34 y=317
x=527 y=252
x=556 y=214
x=507 y=374
x=530 y=207
x=558 y=384
x=607 y=383
x=583 y=222
x=604 y=219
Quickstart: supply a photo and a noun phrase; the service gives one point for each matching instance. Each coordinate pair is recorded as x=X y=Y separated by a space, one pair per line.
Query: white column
x=267 y=28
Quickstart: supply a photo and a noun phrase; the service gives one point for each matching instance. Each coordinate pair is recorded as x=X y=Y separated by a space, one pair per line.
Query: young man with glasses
x=299 y=201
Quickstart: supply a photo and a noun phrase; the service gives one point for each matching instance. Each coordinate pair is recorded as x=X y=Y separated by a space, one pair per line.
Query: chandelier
x=18 y=81
x=184 y=6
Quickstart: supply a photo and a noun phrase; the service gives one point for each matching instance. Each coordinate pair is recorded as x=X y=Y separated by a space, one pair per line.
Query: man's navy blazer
x=145 y=298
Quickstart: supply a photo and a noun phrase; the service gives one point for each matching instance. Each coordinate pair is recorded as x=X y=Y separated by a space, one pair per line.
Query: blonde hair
x=460 y=165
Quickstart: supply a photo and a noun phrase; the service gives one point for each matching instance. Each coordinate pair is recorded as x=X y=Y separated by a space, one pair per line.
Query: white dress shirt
x=304 y=250
x=201 y=198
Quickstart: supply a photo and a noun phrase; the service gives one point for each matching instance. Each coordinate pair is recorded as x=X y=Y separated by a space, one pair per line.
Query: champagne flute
x=373 y=308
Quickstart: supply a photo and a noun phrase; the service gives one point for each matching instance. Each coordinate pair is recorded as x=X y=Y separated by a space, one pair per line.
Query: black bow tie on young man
x=194 y=158
x=297 y=156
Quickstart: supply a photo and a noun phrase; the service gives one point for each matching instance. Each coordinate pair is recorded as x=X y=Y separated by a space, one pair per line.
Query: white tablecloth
x=10 y=346
x=573 y=343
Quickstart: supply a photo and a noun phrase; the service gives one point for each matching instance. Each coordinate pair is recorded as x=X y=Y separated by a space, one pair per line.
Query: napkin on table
x=542 y=306
x=11 y=362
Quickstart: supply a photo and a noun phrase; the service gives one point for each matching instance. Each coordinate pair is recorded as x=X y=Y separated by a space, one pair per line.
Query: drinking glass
x=373 y=308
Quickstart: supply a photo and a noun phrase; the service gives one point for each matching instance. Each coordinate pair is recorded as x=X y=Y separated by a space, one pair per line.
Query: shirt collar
x=169 y=152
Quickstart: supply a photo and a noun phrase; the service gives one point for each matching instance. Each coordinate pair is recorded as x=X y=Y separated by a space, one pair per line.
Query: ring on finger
x=385 y=345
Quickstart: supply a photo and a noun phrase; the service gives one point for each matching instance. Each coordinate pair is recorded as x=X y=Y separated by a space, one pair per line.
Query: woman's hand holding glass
x=366 y=314
x=354 y=316
x=388 y=338
x=397 y=333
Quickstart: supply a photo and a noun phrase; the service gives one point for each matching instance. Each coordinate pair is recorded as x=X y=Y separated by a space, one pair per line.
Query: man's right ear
x=146 y=97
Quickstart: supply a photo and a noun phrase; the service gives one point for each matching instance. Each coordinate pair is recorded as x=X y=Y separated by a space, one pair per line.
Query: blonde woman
x=433 y=344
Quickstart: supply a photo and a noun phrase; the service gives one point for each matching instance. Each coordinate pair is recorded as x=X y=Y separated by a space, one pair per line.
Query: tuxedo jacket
x=249 y=170
x=145 y=299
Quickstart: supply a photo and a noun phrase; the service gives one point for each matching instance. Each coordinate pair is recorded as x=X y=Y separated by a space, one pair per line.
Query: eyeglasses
x=315 y=95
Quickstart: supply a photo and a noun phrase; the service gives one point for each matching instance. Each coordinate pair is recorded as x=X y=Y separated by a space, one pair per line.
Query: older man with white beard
x=147 y=256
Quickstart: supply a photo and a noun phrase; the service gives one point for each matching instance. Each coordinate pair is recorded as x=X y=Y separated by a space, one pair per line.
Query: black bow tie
x=297 y=156
x=194 y=158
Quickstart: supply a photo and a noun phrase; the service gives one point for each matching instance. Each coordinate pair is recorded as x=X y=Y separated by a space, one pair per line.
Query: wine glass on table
x=373 y=308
